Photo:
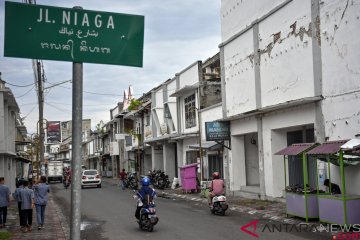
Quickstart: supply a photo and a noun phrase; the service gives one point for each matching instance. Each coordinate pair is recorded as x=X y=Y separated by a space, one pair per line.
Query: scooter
x=148 y=218
x=219 y=205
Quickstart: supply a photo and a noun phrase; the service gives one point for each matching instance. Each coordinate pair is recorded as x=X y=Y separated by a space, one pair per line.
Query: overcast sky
x=177 y=33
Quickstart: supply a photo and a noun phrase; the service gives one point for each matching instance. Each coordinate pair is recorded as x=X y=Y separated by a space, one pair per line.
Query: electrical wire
x=14 y=85
x=85 y=105
x=26 y=92
x=30 y=111
x=26 y=104
x=57 y=108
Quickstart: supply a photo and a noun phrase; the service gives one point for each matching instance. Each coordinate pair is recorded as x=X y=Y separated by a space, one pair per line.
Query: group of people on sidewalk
x=28 y=198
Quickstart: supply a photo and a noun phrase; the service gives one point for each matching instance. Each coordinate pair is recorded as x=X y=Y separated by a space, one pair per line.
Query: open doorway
x=252 y=160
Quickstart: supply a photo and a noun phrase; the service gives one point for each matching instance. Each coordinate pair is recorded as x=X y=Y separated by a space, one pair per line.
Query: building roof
x=185 y=90
x=211 y=146
x=296 y=149
x=330 y=147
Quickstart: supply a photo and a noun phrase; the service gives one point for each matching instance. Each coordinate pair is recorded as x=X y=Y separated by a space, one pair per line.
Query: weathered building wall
x=157 y=109
x=237 y=15
x=276 y=52
x=208 y=115
x=286 y=54
x=186 y=143
x=275 y=127
x=340 y=55
x=190 y=75
x=171 y=87
x=239 y=75
x=210 y=93
x=237 y=168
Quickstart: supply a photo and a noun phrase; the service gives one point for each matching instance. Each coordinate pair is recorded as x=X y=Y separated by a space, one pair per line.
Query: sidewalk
x=52 y=227
x=260 y=208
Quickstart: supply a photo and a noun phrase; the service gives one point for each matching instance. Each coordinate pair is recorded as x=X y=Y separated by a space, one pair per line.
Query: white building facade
x=288 y=76
x=10 y=133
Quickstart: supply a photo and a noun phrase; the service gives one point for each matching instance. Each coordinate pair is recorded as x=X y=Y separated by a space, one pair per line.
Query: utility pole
x=41 y=115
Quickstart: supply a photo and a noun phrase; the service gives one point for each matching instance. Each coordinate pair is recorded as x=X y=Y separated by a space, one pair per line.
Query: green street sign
x=76 y=35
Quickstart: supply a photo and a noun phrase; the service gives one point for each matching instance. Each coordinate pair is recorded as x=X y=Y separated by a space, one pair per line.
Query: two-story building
x=288 y=76
x=12 y=131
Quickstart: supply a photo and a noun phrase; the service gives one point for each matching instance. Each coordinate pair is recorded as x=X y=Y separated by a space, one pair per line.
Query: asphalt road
x=108 y=213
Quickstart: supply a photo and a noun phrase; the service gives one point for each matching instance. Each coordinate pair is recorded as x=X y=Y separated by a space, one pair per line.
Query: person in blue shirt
x=17 y=196
x=4 y=201
x=41 y=190
x=145 y=194
x=27 y=205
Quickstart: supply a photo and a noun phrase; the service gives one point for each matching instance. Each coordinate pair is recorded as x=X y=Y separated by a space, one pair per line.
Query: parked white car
x=90 y=177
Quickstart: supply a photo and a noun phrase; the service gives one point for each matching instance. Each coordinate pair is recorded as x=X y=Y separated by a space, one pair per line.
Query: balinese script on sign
x=71 y=34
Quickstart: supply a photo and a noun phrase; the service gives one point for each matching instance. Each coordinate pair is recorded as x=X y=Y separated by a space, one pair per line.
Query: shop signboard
x=217 y=131
x=75 y=35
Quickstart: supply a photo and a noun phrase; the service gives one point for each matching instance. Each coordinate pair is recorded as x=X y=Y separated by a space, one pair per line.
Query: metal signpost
x=75 y=35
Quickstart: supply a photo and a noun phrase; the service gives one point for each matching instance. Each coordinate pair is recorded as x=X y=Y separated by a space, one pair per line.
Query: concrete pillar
x=237 y=164
x=180 y=156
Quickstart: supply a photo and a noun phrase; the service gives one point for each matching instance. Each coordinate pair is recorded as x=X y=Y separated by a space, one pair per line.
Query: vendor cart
x=300 y=204
x=339 y=208
x=188 y=175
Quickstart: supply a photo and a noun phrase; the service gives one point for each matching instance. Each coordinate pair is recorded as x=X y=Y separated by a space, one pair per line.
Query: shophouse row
x=287 y=72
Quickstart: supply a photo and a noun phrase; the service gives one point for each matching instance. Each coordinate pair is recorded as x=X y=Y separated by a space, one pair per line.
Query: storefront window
x=191 y=157
x=215 y=165
x=190 y=111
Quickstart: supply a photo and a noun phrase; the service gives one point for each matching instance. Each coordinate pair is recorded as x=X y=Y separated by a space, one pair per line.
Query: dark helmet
x=216 y=175
x=145 y=181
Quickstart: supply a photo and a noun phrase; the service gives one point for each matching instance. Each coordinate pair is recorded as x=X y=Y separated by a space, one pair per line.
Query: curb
x=266 y=214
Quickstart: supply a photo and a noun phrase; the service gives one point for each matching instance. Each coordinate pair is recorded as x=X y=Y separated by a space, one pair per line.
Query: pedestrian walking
x=4 y=201
x=17 y=196
x=41 y=190
x=27 y=205
x=123 y=176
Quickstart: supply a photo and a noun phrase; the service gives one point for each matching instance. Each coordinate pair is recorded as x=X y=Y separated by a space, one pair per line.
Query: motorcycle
x=159 y=179
x=219 y=205
x=131 y=181
x=148 y=218
x=67 y=182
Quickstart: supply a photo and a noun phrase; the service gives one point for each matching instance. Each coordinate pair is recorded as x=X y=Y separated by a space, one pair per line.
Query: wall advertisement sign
x=53 y=134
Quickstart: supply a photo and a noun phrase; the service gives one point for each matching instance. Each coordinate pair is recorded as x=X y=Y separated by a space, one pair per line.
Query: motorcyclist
x=145 y=194
x=217 y=187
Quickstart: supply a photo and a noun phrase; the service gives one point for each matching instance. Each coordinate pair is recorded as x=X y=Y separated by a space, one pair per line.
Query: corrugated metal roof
x=330 y=147
x=295 y=149
x=206 y=145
